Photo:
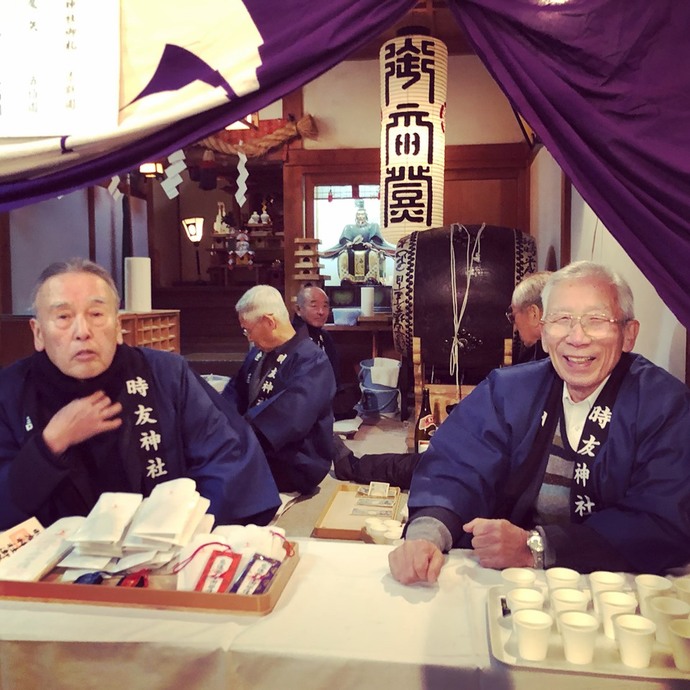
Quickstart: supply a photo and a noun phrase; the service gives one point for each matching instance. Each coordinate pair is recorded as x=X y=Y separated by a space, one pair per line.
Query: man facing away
x=579 y=460
x=86 y=414
x=525 y=313
x=284 y=389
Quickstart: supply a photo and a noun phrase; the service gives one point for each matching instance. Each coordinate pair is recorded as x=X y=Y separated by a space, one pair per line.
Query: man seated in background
x=312 y=309
x=525 y=314
x=284 y=389
x=311 y=313
x=579 y=460
x=86 y=414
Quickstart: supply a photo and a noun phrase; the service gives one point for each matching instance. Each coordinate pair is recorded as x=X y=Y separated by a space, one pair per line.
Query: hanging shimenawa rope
x=305 y=128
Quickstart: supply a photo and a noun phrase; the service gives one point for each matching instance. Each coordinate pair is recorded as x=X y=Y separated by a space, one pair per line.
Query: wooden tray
x=158 y=595
x=337 y=522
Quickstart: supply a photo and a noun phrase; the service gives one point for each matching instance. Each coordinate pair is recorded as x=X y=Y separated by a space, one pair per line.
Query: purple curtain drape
x=301 y=40
x=606 y=86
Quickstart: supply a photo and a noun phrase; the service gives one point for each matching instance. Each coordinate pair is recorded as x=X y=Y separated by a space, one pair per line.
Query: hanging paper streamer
x=242 y=175
x=113 y=188
x=173 y=178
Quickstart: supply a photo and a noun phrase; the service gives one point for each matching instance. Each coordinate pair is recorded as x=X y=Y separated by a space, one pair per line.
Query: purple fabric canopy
x=606 y=86
x=300 y=41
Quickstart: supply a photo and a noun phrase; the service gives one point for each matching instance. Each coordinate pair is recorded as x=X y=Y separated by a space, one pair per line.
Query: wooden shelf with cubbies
x=158 y=329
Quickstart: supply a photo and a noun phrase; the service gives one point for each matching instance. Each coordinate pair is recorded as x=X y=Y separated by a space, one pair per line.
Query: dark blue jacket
x=294 y=420
x=641 y=473
x=202 y=438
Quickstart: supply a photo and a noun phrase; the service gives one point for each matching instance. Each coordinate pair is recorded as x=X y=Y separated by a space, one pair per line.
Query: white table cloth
x=341 y=623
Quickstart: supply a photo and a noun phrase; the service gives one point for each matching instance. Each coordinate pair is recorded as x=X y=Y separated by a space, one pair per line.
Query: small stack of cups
x=387 y=531
x=531 y=625
x=664 y=615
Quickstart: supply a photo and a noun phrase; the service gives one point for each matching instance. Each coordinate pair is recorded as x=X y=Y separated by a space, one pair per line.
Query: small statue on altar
x=361 y=251
x=242 y=255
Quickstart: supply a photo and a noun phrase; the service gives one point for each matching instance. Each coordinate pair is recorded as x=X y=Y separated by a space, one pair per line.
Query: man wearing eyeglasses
x=284 y=389
x=581 y=460
x=525 y=312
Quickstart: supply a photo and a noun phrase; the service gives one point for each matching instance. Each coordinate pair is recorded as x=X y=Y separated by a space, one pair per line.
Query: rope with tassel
x=305 y=128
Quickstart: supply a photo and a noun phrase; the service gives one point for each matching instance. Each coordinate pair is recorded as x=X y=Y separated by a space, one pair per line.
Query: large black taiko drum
x=451 y=288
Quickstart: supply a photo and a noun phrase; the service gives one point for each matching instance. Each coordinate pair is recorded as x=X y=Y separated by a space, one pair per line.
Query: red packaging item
x=219 y=571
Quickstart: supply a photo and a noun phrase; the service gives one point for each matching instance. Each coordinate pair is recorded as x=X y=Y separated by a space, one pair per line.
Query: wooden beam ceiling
x=434 y=15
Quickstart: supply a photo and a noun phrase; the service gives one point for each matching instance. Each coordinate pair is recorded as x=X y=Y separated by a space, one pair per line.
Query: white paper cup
x=567 y=599
x=679 y=636
x=649 y=586
x=533 y=629
x=524 y=598
x=635 y=636
x=579 y=633
x=663 y=610
x=682 y=585
x=517 y=577
x=611 y=604
x=604 y=581
x=558 y=577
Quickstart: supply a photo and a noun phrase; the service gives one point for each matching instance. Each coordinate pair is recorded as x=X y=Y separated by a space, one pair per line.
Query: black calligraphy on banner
x=409 y=63
x=412 y=111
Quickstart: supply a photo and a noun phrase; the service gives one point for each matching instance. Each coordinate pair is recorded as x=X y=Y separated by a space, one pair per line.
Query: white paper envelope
x=35 y=559
x=109 y=518
x=167 y=510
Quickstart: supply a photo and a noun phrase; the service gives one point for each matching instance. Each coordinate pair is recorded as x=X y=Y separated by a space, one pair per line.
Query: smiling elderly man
x=86 y=414
x=579 y=460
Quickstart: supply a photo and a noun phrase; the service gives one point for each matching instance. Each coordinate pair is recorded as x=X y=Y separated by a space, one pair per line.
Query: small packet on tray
x=257 y=576
x=219 y=571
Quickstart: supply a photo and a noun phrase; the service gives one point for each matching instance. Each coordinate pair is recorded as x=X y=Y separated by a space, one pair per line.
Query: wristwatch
x=535 y=544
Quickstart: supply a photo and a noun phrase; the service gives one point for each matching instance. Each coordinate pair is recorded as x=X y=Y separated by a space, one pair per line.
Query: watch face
x=535 y=542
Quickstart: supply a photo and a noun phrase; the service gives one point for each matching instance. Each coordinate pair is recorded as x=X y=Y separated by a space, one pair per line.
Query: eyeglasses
x=593 y=325
x=510 y=316
x=246 y=332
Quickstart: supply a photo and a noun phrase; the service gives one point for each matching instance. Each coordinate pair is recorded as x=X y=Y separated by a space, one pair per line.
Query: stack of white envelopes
x=125 y=531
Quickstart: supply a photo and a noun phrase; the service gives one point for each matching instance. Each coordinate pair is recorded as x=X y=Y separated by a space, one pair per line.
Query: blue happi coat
x=641 y=474
x=292 y=412
x=201 y=437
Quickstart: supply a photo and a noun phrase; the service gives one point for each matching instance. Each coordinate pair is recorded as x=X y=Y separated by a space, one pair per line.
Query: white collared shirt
x=576 y=413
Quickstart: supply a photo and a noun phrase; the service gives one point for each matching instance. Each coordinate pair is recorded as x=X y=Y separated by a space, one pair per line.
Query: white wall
x=53 y=230
x=662 y=338
x=58 y=229
x=346 y=104
x=545 y=209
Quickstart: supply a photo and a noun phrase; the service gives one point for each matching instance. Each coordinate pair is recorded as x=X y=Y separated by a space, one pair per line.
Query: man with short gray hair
x=86 y=414
x=285 y=390
x=580 y=460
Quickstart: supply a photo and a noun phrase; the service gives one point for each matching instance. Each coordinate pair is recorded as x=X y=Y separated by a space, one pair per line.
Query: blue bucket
x=377 y=398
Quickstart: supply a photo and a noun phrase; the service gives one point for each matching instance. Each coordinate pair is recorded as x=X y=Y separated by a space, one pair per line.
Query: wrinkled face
x=77 y=324
x=258 y=330
x=316 y=307
x=581 y=360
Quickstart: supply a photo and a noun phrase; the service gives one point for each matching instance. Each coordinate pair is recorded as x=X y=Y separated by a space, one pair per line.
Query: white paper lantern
x=414 y=77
